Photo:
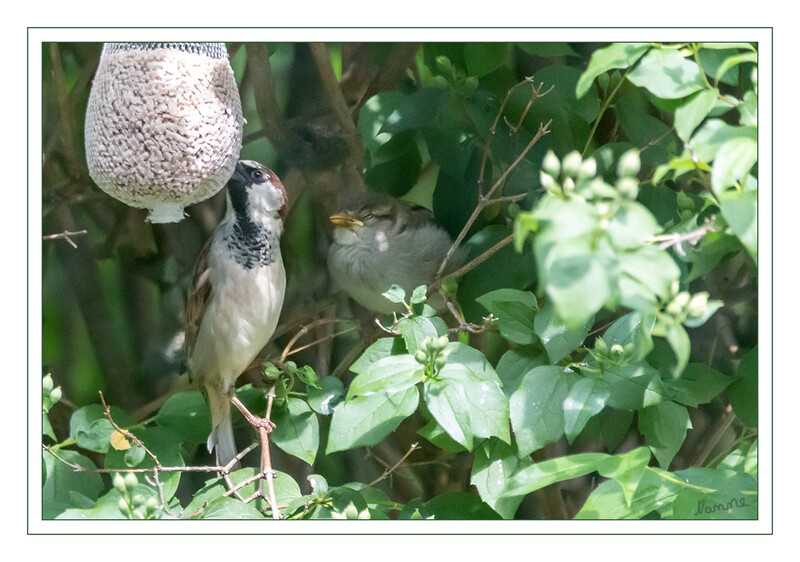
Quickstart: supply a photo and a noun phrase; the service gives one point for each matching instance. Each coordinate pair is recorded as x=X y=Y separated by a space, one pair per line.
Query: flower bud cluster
x=432 y=353
x=685 y=306
x=50 y=395
x=131 y=503
x=615 y=355
x=576 y=176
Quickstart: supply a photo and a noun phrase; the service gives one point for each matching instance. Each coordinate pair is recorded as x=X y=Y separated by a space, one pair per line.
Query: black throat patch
x=251 y=244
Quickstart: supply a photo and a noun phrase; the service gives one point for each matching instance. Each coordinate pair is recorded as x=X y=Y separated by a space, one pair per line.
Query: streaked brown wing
x=197 y=300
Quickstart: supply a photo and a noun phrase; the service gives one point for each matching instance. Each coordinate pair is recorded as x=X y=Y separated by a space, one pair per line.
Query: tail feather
x=221 y=438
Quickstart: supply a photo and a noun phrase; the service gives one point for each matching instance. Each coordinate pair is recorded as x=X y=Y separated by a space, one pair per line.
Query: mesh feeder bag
x=163 y=125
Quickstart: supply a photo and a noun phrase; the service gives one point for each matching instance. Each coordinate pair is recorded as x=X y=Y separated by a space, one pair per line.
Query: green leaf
x=698 y=384
x=459 y=506
x=483 y=58
x=373 y=117
x=554 y=49
x=733 y=495
x=618 y=55
x=609 y=501
x=748 y=110
x=709 y=139
x=743 y=459
x=325 y=398
x=740 y=210
x=92 y=430
x=448 y=403
x=667 y=74
x=436 y=434
x=186 y=413
x=614 y=426
x=395 y=294
x=61 y=481
x=664 y=428
x=389 y=374
x=696 y=108
x=736 y=60
x=495 y=463
x=297 y=430
x=679 y=342
x=636 y=328
x=164 y=444
x=586 y=398
x=714 y=248
x=632 y=225
x=420 y=294
x=558 y=339
x=231 y=508
x=367 y=420
x=415 y=111
x=384 y=347
x=711 y=58
x=515 y=364
x=577 y=281
x=518 y=270
x=417 y=329
x=47 y=429
x=733 y=162
x=398 y=168
x=548 y=472
x=515 y=311
x=634 y=386
x=537 y=408
x=627 y=469
x=646 y=276
x=466 y=398
x=743 y=393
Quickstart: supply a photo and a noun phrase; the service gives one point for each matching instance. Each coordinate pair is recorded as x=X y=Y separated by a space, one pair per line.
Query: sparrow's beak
x=345 y=220
x=240 y=175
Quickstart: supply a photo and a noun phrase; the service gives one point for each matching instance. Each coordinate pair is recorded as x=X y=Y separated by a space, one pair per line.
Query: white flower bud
x=697 y=306
x=629 y=164
x=551 y=164
x=572 y=163
x=588 y=169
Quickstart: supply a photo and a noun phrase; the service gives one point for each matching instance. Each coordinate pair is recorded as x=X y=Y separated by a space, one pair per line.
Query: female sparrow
x=236 y=297
x=379 y=241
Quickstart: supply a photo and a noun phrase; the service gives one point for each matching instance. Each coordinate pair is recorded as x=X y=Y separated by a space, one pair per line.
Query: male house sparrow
x=236 y=297
x=379 y=241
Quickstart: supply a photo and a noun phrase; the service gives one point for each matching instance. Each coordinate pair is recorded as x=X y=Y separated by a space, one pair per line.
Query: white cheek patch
x=383 y=242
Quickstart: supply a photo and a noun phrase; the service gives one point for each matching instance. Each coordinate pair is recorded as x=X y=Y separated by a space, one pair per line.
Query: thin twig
x=79 y=468
x=322 y=339
x=484 y=256
x=388 y=471
x=486 y=200
x=156 y=463
x=66 y=235
x=714 y=437
x=303 y=331
x=677 y=238
x=464 y=326
x=266 y=461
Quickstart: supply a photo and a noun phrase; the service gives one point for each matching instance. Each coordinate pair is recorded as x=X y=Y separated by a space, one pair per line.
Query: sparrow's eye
x=257 y=174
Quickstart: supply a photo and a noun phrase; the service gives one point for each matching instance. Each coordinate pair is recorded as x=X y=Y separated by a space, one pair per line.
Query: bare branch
x=66 y=235
x=678 y=238
x=388 y=471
